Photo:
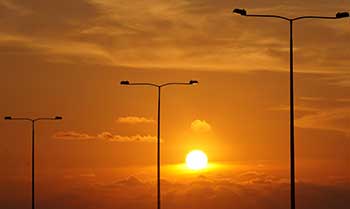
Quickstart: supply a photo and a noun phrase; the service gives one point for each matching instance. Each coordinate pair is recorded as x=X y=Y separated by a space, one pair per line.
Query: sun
x=196 y=160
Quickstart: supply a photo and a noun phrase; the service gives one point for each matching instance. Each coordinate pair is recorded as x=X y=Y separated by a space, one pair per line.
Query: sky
x=67 y=58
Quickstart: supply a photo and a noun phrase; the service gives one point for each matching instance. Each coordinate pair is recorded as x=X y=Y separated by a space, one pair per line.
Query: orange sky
x=67 y=58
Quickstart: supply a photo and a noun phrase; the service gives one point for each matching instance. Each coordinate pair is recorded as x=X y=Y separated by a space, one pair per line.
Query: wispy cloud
x=104 y=136
x=327 y=118
x=134 y=120
x=296 y=108
x=335 y=119
x=342 y=80
x=107 y=33
x=345 y=100
x=72 y=135
x=14 y=7
x=312 y=99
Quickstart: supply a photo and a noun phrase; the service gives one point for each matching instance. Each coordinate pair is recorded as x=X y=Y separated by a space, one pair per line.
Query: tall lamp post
x=33 y=137
x=191 y=82
x=339 y=15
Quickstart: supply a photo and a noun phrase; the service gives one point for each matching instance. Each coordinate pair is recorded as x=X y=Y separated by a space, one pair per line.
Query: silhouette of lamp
x=339 y=15
x=342 y=15
x=33 y=136
x=191 y=82
x=240 y=11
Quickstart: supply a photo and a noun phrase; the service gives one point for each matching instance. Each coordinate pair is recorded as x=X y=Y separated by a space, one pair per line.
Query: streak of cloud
x=134 y=120
x=104 y=136
x=72 y=135
x=335 y=119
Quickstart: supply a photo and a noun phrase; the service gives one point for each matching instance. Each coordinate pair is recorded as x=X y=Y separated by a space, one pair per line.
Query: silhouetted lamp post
x=191 y=82
x=33 y=126
x=339 y=15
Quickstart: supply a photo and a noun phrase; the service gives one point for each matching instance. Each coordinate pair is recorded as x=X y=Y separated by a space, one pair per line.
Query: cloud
x=341 y=79
x=118 y=138
x=242 y=190
x=253 y=177
x=345 y=100
x=130 y=181
x=337 y=119
x=105 y=32
x=296 y=108
x=87 y=175
x=134 y=120
x=312 y=99
x=214 y=192
x=106 y=136
x=329 y=118
x=11 y=6
x=200 y=126
x=71 y=135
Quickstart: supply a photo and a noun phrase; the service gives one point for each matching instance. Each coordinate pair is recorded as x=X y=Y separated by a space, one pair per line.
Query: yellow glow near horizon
x=196 y=160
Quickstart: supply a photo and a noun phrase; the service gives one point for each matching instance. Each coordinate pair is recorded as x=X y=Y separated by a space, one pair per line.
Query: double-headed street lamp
x=33 y=128
x=191 y=82
x=339 y=15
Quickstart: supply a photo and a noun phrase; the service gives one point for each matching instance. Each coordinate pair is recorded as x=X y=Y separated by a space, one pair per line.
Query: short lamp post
x=33 y=147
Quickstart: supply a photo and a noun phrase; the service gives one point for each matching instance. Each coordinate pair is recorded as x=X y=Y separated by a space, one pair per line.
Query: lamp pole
x=191 y=82
x=339 y=15
x=33 y=147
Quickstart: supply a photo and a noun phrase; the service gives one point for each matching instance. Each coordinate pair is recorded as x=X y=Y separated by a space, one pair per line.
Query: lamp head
x=242 y=12
x=193 y=82
x=8 y=118
x=58 y=118
x=124 y=82
x=342 y=14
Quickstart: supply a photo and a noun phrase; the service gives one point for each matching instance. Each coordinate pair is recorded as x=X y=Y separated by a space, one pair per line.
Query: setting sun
x=196 y=160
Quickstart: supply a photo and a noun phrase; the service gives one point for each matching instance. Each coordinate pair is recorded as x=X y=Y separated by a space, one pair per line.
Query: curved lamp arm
x=339 y=15
x=191 y=82
x=32 y=120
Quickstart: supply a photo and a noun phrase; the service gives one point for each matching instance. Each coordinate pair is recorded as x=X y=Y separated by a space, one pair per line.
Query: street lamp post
x=33 y=147
x=191 y=82
x=339 y=15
